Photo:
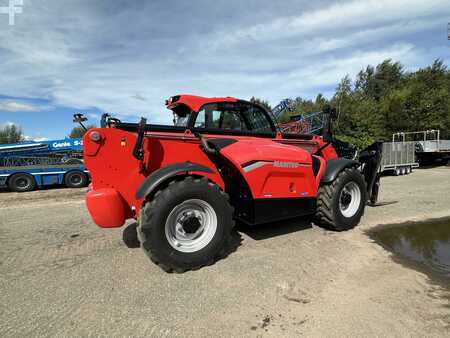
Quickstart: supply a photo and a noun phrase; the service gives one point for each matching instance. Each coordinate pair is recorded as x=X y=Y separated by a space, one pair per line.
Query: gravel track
x=60 y=275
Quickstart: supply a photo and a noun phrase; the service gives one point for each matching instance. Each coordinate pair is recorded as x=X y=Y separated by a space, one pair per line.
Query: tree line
x=386 y=99
x=12 y=133
x=380 y=101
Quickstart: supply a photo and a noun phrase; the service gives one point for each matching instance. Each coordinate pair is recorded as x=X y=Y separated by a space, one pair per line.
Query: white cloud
x=139 y=97
x=93 y=116
x=14 y=106
x=335 y=17
x=39 y=139
x=7 y=123
x=129 y=59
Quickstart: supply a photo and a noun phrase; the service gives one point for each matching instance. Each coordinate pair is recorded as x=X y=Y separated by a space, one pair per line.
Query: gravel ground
x=60 y=275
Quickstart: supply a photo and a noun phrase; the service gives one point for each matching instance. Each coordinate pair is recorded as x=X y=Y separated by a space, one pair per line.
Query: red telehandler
x=223 y=160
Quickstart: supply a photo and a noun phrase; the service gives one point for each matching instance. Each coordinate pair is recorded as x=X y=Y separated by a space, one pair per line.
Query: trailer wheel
x=186 y=225
x=75 y=179
x=22 y=183
x=397 y=172
x=408 y=170
x=340 y=205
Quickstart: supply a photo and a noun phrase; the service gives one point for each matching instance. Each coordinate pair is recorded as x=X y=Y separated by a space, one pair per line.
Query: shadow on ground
x=129 y=236
x=274 y=229
x=381 y=204
x=131 y=240
x=256 y=232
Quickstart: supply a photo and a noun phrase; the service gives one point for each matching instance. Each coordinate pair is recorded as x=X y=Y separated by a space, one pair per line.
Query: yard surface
x=60 y=275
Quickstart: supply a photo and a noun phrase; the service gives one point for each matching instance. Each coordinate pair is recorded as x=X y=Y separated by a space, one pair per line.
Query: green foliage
x=386 y=99
x=361 y=141
x=10 y=134
x=78 y=132
x=261 y=102
x=305 y=107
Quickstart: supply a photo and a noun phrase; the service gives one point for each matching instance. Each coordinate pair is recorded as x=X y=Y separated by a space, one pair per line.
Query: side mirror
x=326 y=109
x=331 y=115
x=332 y=112
x=327 y=137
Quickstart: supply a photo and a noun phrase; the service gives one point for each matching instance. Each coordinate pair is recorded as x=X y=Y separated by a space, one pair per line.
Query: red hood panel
x=246 y=150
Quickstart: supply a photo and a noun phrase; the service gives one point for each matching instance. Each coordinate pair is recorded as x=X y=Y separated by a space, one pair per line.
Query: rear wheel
x=186 y=225
x=22 y=183
x=340 y=205
x=76 y=179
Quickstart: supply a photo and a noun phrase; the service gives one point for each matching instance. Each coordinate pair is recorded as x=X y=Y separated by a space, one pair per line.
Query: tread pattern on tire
x=324 y=211
x=84 y=182
x=151 y=207
x=13 y=178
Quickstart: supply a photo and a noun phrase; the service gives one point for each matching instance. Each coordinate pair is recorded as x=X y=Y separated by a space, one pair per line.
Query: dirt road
x=62 y=276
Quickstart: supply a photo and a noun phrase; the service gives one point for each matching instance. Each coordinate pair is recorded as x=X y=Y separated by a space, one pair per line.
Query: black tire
x=329 y=213
x=155 y=213
x=22 y=183
x=75 y=179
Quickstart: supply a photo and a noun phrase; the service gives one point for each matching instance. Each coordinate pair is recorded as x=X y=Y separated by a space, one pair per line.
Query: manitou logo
x=14 y=7
x=280 y=164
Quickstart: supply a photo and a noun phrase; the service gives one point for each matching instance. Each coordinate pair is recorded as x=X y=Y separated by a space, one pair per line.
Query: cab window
x=233 y=116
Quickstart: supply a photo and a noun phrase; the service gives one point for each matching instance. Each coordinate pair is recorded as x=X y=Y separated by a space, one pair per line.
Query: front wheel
x=186 y=225
x=340 y=204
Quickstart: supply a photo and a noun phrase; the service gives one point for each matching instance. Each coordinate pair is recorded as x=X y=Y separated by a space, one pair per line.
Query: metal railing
x=426 y=140
x=21 y=161
x=309 y=124
x=398 y=154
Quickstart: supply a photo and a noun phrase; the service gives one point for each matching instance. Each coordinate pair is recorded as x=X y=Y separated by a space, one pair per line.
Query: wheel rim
x=22 y=182
x=191 y=225
x=76 y=179
x=350 y=199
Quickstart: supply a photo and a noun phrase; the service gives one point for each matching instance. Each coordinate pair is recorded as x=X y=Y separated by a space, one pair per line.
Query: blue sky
x=127 y=57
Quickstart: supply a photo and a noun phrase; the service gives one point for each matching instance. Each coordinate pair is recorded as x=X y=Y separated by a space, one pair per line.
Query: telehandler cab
x=222 y=160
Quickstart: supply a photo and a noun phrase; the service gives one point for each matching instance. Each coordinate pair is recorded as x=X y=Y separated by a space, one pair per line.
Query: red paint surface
x=107 y=208
x=195 y=102
x=116 y=174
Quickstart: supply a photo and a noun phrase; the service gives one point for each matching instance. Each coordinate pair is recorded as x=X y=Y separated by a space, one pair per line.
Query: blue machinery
x=311 y=123
x=27 y=165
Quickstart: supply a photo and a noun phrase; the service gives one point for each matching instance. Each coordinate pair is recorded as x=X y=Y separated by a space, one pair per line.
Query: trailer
x=26 y=166
x=430 y=148
x=398 y=157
